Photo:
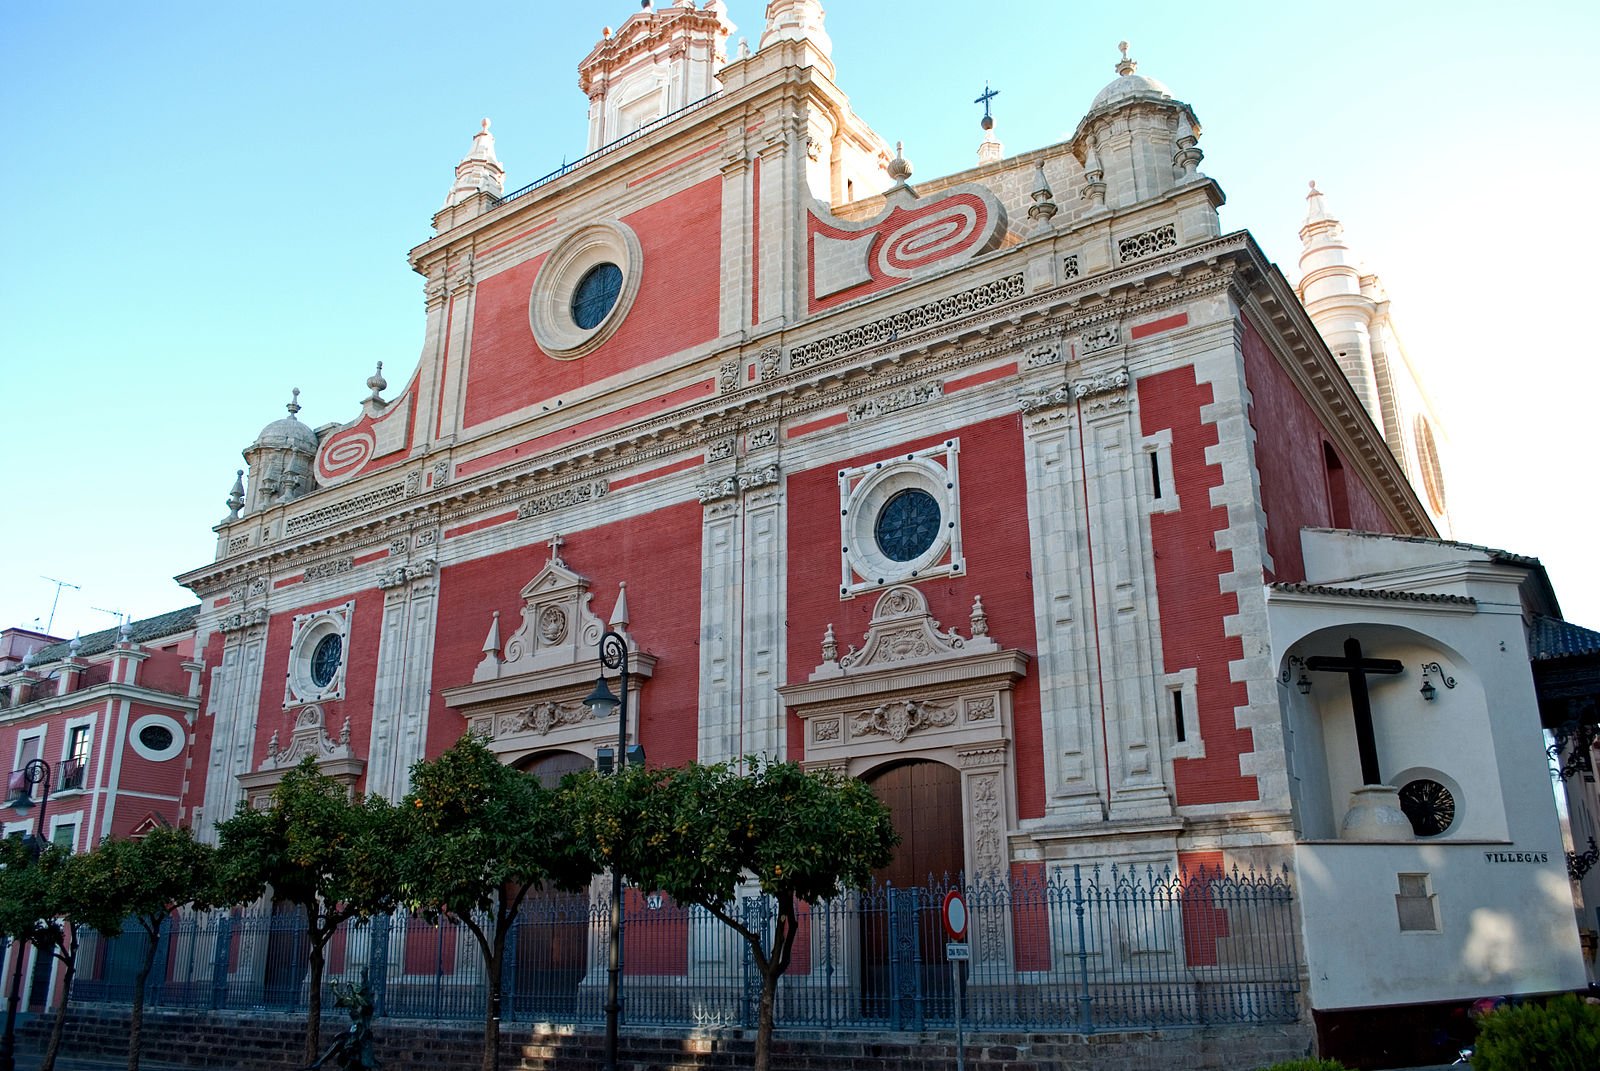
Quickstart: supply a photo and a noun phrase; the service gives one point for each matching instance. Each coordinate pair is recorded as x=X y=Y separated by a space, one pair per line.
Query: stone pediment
x=558 y=629
x=527 y=694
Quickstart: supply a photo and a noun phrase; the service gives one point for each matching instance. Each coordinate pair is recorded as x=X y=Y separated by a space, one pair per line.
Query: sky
x=210 y=204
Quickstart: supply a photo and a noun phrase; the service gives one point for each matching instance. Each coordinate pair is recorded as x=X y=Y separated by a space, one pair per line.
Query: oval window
x=907 y=525
x=595 y=295
x=325 y=660
x=156 y=737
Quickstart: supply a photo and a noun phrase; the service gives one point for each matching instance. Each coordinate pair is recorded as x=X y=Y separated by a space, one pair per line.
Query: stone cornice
x=99 y=693
x=955 y=344
x=1001 y=668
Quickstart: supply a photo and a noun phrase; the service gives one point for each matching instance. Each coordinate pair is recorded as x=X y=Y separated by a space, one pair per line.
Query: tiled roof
x=1375 y=593
x=1554 y=638
x=151 y=628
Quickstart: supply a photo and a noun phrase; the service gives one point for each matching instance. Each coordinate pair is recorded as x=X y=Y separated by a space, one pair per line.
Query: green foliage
x=147 y=879
x=31 y=892
x=798 y=834
x=1309 y=1063
x=476 y=827
x=314 y=845
x=1560 y=1035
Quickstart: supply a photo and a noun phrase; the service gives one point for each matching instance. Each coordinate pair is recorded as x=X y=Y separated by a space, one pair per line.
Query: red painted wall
x=993 y=485
x=204 y=725
x=1189 y=571
x=676 y=307
x=1289 y=458
x=658 y=554
x=164 y=671
x=361 y=656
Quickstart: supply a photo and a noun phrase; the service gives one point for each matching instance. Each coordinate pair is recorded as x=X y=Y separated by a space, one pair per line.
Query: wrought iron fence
x=1082 y=949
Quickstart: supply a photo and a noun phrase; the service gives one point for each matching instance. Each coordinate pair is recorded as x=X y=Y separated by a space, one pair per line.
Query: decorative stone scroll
x=401 y=575
x=906 y=397
x=309 y=738
x=902 y=718
x=243 y=619
x=739 y=483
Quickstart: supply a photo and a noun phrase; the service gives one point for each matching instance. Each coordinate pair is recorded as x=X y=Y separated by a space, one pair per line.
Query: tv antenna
x=59 y=585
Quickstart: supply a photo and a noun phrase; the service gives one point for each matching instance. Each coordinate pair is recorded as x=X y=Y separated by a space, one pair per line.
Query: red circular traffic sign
x=955 y=915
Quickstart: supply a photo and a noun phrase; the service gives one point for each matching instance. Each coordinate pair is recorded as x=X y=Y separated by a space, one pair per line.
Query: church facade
x=1027 y=494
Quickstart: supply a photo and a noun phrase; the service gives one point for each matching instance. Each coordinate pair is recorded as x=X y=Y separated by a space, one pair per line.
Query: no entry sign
x=955 y=916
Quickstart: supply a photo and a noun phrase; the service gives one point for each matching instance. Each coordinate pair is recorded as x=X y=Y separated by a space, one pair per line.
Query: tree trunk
x=765 y=1015
x=136 y=1018
x=314 y=996
x=59 y=1026
x=491 y=1019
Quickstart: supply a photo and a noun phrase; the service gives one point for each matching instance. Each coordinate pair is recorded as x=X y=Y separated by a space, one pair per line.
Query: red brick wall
x=1289 y=457
x=1189 y=571
x=658 y=554
x=993 y=486
x=676 y=307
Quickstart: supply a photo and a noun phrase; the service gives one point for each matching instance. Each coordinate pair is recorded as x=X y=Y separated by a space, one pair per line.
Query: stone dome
x=287 y=433
x=1129 y=85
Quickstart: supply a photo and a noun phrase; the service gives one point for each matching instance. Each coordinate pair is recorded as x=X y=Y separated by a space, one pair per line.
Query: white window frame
x=306 y=632
x=866 y=489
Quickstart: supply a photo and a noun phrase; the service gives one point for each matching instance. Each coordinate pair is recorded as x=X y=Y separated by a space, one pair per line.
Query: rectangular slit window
x=1177 y=716
x=1155 y=479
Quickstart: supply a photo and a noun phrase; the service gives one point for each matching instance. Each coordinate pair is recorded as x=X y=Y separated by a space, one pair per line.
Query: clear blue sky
x=209 y=204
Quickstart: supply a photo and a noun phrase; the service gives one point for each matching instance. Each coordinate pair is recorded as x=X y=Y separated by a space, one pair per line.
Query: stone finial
x=125 y=632
x=1187 y=154
x=1043 y=208
x=75 y=646
x=555 y=543
x=236 y=496
x=830 y=645
x=900 y=167
x=479 y=171
x=344 y=733
x=980 y=618
x=272 y=745
x=1094 y=186
x=377 y=384
x=744 y=49
x=294 y=402
x=1125 y=66
x=990 y=149
x=619 y=616
x=491 y=642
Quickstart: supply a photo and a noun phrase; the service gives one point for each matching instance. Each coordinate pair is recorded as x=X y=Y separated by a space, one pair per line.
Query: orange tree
x=143 y=882
x=47 y=897
x=319 y=849
x=479 y=836
x=695 y=832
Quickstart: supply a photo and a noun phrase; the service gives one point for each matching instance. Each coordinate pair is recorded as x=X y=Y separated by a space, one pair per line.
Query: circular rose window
x=1429 y=805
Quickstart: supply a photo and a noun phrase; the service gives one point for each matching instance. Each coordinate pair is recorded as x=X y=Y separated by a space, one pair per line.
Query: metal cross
x=1358 y=669
x=988 y=95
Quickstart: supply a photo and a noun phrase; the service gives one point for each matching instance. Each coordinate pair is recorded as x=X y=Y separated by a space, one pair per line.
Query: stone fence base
x=270 y=1042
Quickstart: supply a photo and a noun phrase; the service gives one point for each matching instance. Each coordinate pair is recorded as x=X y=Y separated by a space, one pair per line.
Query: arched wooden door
x=553 y=929
x=904 y=974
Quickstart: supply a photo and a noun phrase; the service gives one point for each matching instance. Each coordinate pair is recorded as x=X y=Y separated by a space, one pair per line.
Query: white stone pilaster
x=404 y=675
x=1063 y=612
x=235 y=696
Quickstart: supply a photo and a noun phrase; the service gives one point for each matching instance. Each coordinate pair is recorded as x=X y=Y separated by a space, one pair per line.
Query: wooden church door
x=553 y=929
x=904 y=974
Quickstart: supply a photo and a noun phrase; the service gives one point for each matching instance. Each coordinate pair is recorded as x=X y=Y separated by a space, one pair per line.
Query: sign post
x=958 y=952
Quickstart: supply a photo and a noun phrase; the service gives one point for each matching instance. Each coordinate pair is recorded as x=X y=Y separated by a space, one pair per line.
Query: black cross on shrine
x=988 y=95
x=1358 y=669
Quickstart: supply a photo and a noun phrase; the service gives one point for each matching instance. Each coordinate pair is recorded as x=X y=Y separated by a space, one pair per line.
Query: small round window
x=1429 y=805
x=907 y=525
x=595 y=295
x=325 y=659
x=156 y=737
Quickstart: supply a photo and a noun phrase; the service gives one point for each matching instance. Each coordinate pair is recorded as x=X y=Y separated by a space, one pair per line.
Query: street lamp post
x=35 y=772
x=613 y=655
